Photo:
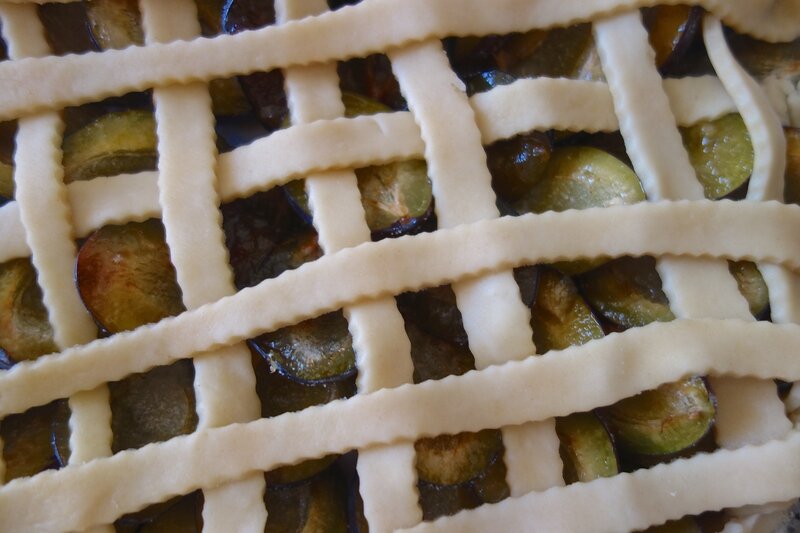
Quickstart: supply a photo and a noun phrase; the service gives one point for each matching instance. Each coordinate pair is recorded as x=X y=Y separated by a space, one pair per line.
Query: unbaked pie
x=322 y=311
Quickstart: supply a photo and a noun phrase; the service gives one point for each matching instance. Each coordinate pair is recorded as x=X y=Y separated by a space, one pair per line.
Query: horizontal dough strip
x=762 y=474
x=604 y=371
x=55 y=82
x=722 y=229
x=276 y=159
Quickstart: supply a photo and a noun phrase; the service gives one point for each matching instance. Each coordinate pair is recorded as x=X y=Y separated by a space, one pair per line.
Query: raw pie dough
x=521 y=394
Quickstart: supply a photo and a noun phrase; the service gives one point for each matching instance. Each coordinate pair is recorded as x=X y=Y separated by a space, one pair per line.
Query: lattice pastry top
x=757 y=447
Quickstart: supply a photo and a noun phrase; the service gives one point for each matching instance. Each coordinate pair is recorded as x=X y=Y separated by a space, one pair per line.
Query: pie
x=635 y=238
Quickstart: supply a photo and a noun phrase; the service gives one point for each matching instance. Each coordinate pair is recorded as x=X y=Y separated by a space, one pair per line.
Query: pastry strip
x=604 y=370
x=769 y=162
x=649 y=497
x=224 y=382
x=496 y=321
x=387 y=475
x=45 y=216
x=769 y=147
x=766 y=182
x=393 y=266
x=57 y=82
x=359 y=142
x=756 y=11
x=695 y=288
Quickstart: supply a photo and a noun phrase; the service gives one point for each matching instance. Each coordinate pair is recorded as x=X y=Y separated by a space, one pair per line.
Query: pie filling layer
x=645 y=250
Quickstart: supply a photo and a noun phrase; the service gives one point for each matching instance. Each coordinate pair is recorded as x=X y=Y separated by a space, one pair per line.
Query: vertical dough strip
x=42 y=199
x=495 y=319
x=224 y=379
x=749 y=411
x=387 y=474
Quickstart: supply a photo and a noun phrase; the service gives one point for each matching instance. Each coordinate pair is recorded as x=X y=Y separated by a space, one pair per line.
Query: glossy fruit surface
x=117 y=143
x=579 y=177
x=751 y=285
x=518 y=163
x=671 y=30
x=627 y=291
x=115 y=23
x=721 y=153
x=586 y=448
x=436 y=358
x=454 y=459
x=560 y=317
x=125 y=276
x=313 y=351
x=280 y=394
x=396 y=196
x=663 y=421
x=560 y=52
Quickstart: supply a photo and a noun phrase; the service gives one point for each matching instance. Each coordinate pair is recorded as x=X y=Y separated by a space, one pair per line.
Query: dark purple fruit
x=437 y=500
x=279 y=394
x=314 y=351
x=517 y=163
x=372 y=78
x=672 y=30
x=434 y=311
x=26 y=437
x=436 y=358
x=792 y=184
x=182 y=514
x=254 y=227
x=626 y=291
x=65 y=27
x=264 y=90
x=315 y=506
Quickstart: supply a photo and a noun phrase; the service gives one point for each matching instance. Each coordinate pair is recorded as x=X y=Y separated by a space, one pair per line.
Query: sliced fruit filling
x=126 y=278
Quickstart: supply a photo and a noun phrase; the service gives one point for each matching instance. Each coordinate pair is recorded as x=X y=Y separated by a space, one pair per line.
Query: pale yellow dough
x=604 y=371
x=473 y=249
x=361 y=141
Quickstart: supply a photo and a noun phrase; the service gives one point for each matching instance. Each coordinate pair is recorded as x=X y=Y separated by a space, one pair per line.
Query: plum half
x=586 y=448
x=317 y=350
x=25 y=331
x=664 y=421
x=560 y=317
x=721 y=153
x=125 y=276
x=123 y=142
x=627 y=291
x=397 y=197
